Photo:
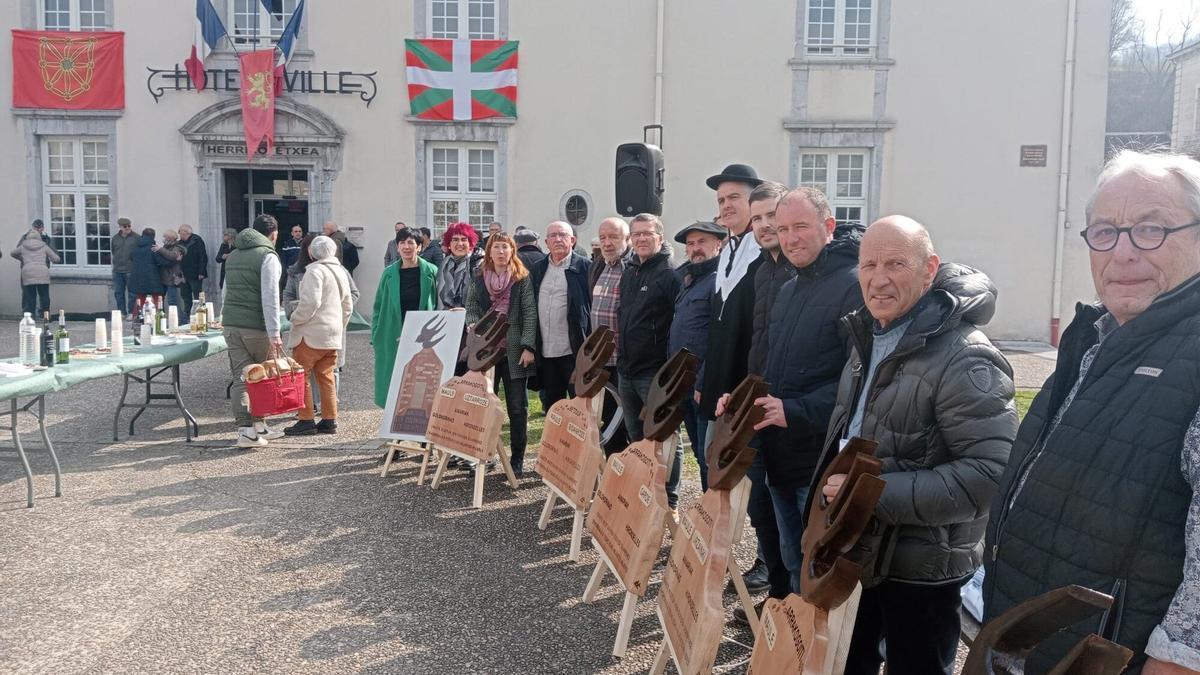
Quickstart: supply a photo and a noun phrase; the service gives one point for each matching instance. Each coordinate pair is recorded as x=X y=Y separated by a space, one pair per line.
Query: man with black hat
x=527 y=246
x=121 y=246
x=731 y=328
x=693 y=310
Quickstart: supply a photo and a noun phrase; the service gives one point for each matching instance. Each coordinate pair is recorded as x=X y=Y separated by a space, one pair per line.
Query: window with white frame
x=81 y=15
x=462 y=19
x=839 y=27
x=842 y=176
x=250 y=22
x=462 y=185
x=76 y=198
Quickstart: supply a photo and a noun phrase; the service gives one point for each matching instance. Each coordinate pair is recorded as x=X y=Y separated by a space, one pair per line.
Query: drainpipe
x=1064 y=169
x=658 y=63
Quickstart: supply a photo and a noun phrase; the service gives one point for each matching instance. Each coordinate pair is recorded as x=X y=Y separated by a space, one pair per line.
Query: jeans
x=696 y=427
x=555 y=374
x=789 y=518
x=30 y=297
x=189 y=290
x=634 y=391
x=516 y=400
x=620 y=438
x=173 y=299
x=914 y=625
x=121 y=292
x=245 y=346
x=762 y=516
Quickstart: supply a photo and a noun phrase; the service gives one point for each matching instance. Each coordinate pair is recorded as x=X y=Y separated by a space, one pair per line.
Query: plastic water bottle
x=29 y=341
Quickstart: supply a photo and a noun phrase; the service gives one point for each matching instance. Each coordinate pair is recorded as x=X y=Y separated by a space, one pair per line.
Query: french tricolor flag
x=209 y=31
x=287 y=45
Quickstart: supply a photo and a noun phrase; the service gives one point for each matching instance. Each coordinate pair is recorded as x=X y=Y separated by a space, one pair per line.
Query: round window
x=576 y=210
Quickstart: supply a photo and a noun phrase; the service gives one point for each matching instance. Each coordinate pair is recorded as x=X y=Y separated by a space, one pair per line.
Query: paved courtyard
x=166 y=556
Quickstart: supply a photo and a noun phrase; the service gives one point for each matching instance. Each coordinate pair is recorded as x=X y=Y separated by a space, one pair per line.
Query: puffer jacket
x=171 y=260
x=144 y=277
x=648 y=292
x=771 y=275
x=35 y=256
x=941 y=408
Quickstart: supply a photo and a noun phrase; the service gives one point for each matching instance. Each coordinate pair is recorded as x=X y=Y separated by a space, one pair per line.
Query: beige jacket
x=324 y=308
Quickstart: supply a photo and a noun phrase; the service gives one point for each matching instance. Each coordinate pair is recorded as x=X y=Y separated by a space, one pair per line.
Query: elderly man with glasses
x=1103 y=484
x=122 y=245
x=564 y=306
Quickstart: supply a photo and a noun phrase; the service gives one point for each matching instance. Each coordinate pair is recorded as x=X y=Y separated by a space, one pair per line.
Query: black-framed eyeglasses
x=1145 y=236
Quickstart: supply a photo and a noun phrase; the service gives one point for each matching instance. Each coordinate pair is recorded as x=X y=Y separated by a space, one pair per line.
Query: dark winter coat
x=1100 y=500
x=808 y=351
x=771 y=275
x=195 y=258
x=522 y=319
x=729 y=337
x=289 y=252
x=648 y=292
x=531 y=255
x=941 y=408
x=223 y=253
x=579 y=298
x=145 y=277
x=693 y=309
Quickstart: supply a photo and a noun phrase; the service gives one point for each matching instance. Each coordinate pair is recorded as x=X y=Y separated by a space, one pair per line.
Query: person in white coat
x=318 y=331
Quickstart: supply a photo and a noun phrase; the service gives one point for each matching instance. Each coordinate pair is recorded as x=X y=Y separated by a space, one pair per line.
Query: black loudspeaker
x=639 y=179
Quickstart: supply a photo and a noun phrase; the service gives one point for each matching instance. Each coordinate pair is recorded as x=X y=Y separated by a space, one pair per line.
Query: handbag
x=275 y=387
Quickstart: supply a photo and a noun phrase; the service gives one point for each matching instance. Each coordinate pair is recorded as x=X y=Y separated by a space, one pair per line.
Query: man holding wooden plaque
x=926 y=384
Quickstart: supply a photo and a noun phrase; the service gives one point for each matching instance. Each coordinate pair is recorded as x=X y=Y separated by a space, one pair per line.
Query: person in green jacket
x=408 y=284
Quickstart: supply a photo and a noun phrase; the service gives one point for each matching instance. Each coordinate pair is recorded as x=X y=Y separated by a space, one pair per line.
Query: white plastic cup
x=101 y=334
x=172 y=318
x=208 y=308
x=118 y=333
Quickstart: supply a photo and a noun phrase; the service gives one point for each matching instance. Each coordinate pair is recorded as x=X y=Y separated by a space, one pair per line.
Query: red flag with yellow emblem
x=68 y=70
x=258 y=99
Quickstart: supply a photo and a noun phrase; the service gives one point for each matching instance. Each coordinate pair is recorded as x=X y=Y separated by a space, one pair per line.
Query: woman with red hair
x=454 y=276
x=504 y=284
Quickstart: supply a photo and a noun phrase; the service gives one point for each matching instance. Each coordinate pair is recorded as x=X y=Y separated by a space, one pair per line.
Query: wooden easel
x=628 y=607
x=554 y=494
x=480 y=470
x=408 y=449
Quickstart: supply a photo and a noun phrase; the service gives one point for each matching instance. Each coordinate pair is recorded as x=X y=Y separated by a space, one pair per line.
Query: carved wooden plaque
x=796 y=637
x=466 y=416
x=626 y=520
x=570 y=455
x=689 y=603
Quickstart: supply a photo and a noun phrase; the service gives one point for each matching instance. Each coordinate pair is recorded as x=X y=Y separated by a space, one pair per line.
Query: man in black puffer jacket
x=648 y=289
x=926 y=384
x=807 y=353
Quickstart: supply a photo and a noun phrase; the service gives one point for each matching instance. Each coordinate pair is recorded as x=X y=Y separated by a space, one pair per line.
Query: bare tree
x=1125 y=31
x=1141 y=77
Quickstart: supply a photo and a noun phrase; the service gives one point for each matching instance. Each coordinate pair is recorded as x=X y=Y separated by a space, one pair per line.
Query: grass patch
x=1024 y=398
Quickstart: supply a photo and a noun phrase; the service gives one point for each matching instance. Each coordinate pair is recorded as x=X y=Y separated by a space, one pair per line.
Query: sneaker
x=301 y=428
x=267 y=432
x=248 y=438
x=756 y=578
x=739 y=613
x=327 y=427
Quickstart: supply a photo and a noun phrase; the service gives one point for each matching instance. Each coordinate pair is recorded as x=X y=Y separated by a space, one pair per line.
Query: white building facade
x=953 y=113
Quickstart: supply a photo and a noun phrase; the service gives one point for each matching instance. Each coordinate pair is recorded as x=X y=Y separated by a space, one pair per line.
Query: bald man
x=925 y=383
x=564 y=304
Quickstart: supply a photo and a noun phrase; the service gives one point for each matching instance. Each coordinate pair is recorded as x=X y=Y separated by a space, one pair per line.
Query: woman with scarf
x=406 y=285
x=504 y=284
x=457 y=269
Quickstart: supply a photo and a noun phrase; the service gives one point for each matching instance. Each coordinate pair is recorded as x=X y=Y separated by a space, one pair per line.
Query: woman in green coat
x=407 y=284
x=503 y=283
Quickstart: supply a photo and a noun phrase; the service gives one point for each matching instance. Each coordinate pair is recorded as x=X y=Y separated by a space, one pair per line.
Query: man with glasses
x=564 y=304
x=1103 y=485
x=122 y=245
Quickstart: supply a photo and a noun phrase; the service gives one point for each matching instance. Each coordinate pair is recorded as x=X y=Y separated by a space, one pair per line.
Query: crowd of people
x=858 y=332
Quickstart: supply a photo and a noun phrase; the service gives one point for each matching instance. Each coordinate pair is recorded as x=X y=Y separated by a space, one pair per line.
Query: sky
x=1173 y=14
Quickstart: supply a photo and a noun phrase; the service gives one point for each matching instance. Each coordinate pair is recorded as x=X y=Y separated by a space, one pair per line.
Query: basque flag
x=287 y=45
x=209 y=31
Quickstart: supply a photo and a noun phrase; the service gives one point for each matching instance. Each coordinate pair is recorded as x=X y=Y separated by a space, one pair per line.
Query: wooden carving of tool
x=487 y=342
x=663 y=411
x=590 y=372
x=728 y=455
x=1004 y=642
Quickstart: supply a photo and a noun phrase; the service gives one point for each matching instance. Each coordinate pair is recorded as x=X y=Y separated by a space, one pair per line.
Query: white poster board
x=425 y=359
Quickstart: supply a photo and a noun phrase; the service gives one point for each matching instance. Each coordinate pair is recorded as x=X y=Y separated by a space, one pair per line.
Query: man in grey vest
x=1103 y=487
x=925 y=383
x=250 y=316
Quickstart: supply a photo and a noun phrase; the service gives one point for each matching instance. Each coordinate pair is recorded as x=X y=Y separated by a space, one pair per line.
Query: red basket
x=278 y=393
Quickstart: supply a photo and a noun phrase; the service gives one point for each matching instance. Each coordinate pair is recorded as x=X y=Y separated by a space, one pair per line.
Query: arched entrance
x=294 y=182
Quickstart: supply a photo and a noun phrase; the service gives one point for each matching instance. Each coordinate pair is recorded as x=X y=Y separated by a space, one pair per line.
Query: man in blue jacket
x=693 y=312
x=564 y=303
